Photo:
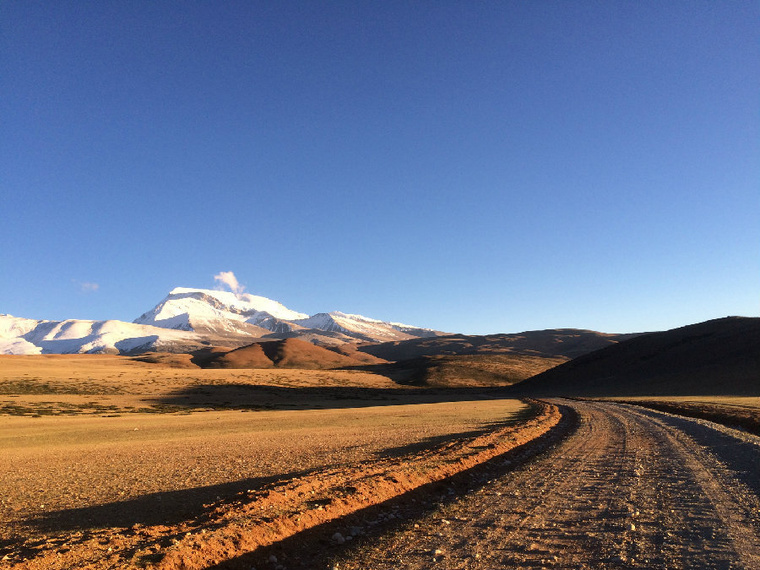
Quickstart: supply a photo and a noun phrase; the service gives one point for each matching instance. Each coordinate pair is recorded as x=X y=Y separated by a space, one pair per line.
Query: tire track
x=630 y=489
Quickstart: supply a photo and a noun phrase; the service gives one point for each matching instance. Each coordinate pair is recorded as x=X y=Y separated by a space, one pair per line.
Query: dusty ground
x=632 y=488
x=96 y=447
x=278 y=470
x=90 y=472
x=105 y=536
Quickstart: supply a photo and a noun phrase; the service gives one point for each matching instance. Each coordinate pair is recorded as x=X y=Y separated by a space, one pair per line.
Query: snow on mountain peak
x=226 y=312
x=188 y=318
x=29 y=336
x=212 y=310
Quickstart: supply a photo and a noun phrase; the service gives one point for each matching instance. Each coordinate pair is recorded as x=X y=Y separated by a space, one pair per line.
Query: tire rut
x=629 y=489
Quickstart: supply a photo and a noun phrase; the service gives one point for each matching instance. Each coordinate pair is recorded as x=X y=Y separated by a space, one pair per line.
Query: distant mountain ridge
x=188 y=319
x=72 y=336
x=566 y=343
x=226 y=313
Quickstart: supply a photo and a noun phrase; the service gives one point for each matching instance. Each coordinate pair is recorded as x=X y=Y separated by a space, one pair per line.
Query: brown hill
x=287 y=353
x=551 y=343
x=718 y=357
x=470 y=370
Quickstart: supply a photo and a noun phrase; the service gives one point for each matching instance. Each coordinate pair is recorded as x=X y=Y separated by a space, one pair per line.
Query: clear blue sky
x=468 y=166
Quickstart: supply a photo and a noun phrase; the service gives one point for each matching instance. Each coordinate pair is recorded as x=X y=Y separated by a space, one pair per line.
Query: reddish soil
x=288 y=353
x=631 y=488
x=271 y=513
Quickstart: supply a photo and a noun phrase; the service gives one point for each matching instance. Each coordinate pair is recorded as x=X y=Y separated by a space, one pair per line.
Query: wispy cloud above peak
x=228 y=279
x=87 y=286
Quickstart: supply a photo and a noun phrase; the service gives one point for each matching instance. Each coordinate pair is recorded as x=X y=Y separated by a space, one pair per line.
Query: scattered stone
x=338 y=538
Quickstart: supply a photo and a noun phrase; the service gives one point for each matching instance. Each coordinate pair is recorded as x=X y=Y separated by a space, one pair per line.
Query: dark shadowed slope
x=552 y=343
x=483 y=360
x=718 y=357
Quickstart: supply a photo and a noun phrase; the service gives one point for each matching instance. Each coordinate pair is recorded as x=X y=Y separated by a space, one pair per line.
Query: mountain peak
x=213 y=311
x=228 y=313
x=188 y=318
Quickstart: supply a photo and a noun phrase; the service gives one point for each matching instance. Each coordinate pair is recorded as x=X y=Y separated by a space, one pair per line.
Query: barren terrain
x=96 y=447
x=111 y=463
x=632 y=488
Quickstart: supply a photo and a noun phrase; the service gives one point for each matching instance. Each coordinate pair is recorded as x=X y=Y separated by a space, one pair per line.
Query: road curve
x=630 y=488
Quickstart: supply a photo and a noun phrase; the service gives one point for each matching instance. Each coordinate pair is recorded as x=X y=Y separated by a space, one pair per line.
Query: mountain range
x=188 y=319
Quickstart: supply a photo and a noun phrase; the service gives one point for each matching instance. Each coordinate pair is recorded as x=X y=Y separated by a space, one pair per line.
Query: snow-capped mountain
x=218 y=312
x=29 y=336
x=225 y=313
x=361 y=327
x=187 y=319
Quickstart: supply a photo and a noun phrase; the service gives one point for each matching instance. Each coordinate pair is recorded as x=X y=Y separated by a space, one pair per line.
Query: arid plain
x=99 y=444
x=150 y=461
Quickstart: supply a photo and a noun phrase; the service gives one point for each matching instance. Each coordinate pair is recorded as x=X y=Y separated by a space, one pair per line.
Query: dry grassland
x=103 y=384
x=106 y=442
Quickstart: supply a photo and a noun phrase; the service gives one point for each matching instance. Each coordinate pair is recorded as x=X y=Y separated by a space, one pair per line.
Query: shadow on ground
x=256 y=397
x=167 y=508
x=317 y=549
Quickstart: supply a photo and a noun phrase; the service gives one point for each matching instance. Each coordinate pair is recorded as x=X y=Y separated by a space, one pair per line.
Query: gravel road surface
x=630 y=488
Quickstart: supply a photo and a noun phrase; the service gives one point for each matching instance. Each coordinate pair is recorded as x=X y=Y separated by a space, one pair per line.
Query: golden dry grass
x=105 y=384
x=83 y=446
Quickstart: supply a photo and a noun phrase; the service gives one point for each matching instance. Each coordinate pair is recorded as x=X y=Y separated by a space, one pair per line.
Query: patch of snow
x=18 y=346
x=27 y=336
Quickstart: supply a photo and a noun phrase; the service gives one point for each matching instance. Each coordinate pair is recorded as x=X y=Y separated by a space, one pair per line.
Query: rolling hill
x=286 y=353
x=717 y=357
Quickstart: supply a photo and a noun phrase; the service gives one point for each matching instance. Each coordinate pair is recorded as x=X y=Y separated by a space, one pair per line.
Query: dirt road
x=631 y=488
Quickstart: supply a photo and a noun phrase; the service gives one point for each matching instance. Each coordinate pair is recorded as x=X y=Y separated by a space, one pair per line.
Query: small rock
x=273 y=559
x=631 y=526
x=338 y=538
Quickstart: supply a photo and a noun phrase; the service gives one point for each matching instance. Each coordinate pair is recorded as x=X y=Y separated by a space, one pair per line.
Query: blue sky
x=474 y=167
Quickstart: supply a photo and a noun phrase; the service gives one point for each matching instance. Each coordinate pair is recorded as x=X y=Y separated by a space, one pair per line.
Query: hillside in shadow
x=717 y=357
x=550 y=343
